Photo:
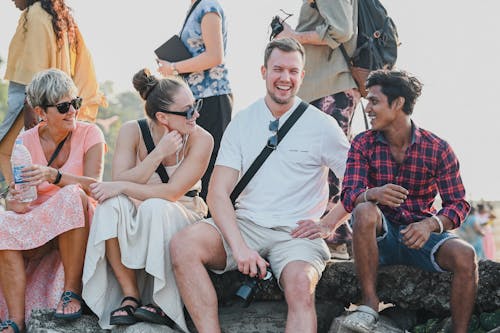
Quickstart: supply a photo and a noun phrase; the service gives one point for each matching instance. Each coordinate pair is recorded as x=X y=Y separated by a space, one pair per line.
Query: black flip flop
x=66 y=298
x=156 y=317
x=127 y=319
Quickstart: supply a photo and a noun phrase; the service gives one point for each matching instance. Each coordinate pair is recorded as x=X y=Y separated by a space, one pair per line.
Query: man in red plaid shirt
x=393 y=174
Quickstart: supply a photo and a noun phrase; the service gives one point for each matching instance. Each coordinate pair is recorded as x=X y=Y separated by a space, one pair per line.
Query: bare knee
x=300 y=287
x=185 y=247
x=365 y=216
x=458 y=257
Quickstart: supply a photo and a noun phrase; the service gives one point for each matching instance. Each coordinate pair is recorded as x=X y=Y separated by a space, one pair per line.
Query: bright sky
x=450 y=45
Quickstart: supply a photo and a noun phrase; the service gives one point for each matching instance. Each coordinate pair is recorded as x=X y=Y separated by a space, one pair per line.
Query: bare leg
x=13 y=284
x=192 y=249
x=72 y=245
x=126 y=277
x=458 y=257
x=367 y=224
x=299 y=280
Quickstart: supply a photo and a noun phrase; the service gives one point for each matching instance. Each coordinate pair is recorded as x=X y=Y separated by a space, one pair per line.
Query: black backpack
x=377 y=42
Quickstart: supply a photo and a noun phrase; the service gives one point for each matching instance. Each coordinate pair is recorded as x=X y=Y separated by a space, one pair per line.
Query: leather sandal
x=127 y=319
x=66 y=298
x=157 y=316
x=9 y=323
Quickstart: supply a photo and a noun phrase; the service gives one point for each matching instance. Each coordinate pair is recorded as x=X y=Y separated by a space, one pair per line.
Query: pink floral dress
x=55 y=211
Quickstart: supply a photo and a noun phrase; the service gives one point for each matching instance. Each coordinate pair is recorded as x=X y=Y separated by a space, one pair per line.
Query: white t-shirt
x=292 y=183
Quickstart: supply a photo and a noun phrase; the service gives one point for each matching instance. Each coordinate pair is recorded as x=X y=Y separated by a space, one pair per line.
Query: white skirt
x=144 y=234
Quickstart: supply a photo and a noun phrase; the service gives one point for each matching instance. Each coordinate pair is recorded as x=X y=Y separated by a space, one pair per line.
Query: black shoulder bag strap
x=58 y=150
x=150 y=145
x=188 y=15
x=266 y=151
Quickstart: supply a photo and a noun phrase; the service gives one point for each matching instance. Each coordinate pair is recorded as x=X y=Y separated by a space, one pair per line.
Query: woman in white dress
x=141 y=209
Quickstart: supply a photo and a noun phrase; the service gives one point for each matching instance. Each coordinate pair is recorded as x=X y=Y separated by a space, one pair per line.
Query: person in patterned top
x=394 y=172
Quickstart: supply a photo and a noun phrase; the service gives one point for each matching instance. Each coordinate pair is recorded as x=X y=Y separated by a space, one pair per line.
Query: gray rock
x=384 y=325
x=270 y=317
x=42 y=321
x=143 y=328
x=408 y=287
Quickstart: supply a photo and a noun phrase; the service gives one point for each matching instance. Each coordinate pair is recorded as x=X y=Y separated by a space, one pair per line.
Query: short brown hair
x=285 y=45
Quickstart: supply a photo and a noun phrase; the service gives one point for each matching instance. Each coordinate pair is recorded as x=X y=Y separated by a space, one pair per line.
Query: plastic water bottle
x=20 y=159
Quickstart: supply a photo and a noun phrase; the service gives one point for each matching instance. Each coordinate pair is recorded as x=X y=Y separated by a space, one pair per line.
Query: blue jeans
x=392 y=250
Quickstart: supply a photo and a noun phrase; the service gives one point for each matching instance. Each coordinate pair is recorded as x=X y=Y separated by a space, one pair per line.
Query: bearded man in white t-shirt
x=276 y=220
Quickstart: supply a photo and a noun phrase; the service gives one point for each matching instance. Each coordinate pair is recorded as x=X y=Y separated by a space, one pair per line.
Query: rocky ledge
x=418 y=297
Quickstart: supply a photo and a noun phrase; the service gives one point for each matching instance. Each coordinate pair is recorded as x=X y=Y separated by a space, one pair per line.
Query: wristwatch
x=174 y=70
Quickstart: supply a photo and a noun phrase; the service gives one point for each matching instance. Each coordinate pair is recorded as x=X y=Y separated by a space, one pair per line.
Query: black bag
x=377 y=44
x=174 y=50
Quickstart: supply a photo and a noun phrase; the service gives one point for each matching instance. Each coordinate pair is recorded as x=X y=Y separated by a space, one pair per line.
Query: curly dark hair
x=62 y=20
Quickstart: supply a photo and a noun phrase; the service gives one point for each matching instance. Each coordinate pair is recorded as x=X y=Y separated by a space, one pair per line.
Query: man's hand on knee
x=416 y=234
x=311 y=230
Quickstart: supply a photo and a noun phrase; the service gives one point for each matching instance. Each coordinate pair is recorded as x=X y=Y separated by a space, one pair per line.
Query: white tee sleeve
x=230 y=154
x=334 y=147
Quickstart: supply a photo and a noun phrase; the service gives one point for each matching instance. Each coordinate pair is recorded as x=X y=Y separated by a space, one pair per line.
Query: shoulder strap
x=150 y=145
x=349 y=64
x=266 y=151
x=188 y=15
x=58 y=150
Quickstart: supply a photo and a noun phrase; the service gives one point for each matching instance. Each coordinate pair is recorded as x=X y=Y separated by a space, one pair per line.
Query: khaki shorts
x=277 y=247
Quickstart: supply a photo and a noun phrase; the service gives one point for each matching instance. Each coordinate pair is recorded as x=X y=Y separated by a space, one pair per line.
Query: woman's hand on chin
x=170 y=143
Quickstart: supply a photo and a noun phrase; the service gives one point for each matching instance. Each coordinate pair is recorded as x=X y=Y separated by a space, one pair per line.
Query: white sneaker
x=339 y=252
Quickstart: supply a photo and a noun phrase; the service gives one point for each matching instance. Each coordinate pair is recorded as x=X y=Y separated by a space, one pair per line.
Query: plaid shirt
x=429 y=166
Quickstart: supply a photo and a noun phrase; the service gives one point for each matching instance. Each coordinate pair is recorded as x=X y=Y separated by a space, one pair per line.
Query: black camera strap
x=266 y=151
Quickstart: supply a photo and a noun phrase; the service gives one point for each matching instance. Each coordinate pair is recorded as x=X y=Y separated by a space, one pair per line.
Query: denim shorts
x=392 y=250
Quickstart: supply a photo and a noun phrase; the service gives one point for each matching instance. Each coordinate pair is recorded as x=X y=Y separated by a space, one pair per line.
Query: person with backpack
x=328 y=84
x=394 y=172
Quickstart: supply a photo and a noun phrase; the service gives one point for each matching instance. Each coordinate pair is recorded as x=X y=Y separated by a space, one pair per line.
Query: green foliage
x=122 y=107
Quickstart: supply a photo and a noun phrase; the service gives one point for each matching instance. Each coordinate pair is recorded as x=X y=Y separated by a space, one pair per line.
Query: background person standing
x=205 y=36
x=46 y=37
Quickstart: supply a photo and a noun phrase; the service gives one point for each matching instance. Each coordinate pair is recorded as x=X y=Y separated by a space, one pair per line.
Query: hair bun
x=144 y=82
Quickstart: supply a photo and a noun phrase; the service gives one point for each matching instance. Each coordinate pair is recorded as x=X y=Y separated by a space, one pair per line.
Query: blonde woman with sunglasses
x=42 y=243
x=128 y=276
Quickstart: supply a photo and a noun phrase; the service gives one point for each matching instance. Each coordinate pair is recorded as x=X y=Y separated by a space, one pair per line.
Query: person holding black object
x=205 y=36
x=276 y=220
x=157 y=167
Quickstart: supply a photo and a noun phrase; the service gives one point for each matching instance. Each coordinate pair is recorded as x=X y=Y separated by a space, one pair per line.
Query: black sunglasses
x=196 y=107
x=64 y=107
x=272 y=142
